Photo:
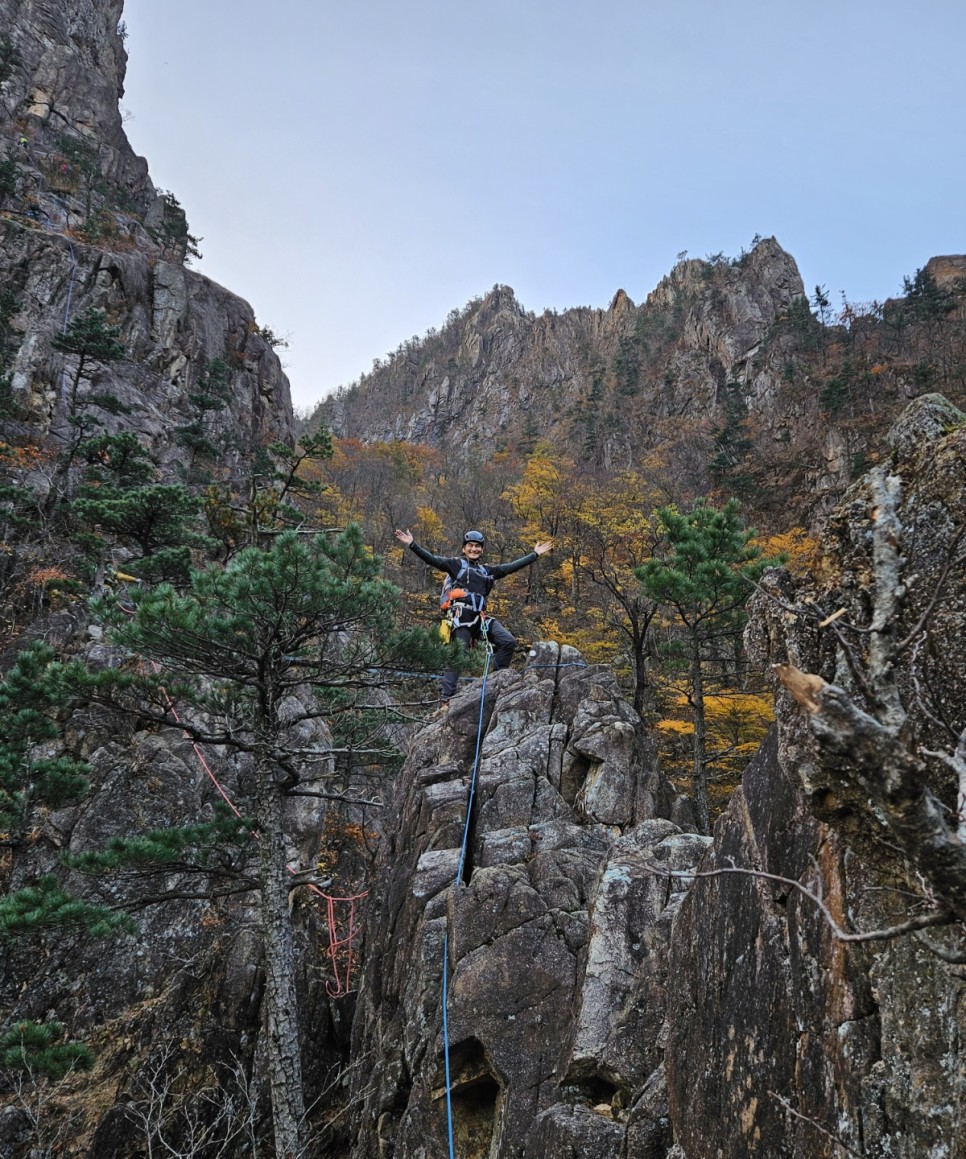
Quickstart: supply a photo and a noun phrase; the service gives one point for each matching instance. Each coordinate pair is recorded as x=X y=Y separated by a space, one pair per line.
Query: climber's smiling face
x=472 y=550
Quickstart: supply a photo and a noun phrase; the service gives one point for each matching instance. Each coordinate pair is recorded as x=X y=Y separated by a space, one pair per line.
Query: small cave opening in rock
x=476 y=1098
x=593 y=1089
x=573 y=776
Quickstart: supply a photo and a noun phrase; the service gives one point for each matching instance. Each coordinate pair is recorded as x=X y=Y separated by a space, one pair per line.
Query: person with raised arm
x=469 y=582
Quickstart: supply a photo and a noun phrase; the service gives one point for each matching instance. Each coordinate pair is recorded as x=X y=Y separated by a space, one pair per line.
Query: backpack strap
x=458 y=601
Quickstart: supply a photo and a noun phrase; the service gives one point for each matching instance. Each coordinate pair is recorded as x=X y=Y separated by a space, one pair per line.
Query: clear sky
x=358 y=168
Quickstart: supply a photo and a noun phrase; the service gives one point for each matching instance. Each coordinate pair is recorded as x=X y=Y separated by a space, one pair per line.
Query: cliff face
x=844 y=1034
x=799 y=1036
x=700 y=367
x=722 y=379
x=71 y=72
x=84 y=227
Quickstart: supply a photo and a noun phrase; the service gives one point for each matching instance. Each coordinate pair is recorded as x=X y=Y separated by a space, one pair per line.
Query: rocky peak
x=620 y=303
x=500 y=300
x=71 y=75
x=948 y=272
x=85 y=228
x=613 y=374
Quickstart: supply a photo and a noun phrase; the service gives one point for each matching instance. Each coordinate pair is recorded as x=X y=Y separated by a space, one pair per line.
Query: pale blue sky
x=359 y=168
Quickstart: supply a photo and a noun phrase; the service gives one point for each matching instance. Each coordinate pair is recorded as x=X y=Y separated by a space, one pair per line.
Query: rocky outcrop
x=554 y=938
x=618 y=988
x=785 y=1040
x=70 y=74
x=605 y=379
x=173 y=323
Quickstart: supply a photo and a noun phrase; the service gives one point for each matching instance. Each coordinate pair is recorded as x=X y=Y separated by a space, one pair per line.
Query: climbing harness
x=459 y=874
x=461 y=607
x=456 y=588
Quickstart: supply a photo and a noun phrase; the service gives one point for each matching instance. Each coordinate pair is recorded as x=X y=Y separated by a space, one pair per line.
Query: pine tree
x=28 y=702
x=155 y=518
x=29 y=697
x=122 y=504
x=33 y=1047
x=280 y=488
x=237 y=646
x=46 y=905
x=173 y=234
x=93 y=342
x=704 y=573
x=929 y=302
x=288 y=477
x=210 y=397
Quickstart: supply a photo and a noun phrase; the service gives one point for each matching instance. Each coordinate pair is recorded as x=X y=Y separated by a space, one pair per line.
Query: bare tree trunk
x=281 y=999
x=700 y=773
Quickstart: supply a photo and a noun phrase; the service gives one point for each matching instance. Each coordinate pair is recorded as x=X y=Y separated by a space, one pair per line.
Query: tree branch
x=374 y=802
x=936 y=918
x=817 y=1125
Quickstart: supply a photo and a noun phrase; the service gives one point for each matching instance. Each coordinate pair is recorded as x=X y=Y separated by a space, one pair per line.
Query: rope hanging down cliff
x=456 y=881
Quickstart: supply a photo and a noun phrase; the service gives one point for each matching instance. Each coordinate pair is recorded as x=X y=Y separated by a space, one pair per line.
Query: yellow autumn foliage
x=802 y=552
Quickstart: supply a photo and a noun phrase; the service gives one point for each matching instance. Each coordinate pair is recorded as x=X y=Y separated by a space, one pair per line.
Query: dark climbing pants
x=503 y=643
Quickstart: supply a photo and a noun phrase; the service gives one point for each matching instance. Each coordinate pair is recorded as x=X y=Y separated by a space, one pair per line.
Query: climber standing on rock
x=464 y=598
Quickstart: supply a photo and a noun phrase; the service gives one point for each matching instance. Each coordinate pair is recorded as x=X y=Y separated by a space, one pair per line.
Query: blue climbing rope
x=459 y=875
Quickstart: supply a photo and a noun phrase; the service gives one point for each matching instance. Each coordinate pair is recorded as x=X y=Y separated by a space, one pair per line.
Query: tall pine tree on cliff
x=704 y=572
x=239 y=647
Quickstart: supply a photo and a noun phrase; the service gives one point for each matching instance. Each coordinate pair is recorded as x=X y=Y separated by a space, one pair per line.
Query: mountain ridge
x=723 y=372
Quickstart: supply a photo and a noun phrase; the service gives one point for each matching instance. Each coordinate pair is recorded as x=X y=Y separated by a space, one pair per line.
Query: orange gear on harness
x=449 y=595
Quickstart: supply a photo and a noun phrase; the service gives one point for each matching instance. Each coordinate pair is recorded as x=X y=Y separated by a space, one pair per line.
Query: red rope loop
x=341 y=987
